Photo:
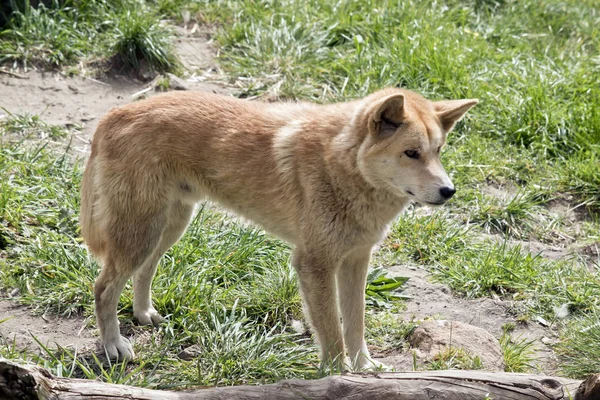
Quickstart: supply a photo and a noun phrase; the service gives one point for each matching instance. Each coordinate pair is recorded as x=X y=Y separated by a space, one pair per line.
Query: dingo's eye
x=439 y=148
x=412 y=154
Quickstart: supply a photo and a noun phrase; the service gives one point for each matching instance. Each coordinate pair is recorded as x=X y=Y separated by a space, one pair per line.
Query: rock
x=562 y=312
x=87 y=118
x=189 y=353
x=176 y=83
x=298 y=326
x=432 y=337
x=548 y=341
x=168 y=82
x=63 y=123
x=145 y=72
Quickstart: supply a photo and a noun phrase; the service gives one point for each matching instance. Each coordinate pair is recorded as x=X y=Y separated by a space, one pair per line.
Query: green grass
x=387 y=331
x=533 y=140
x=455 y=358
x=518 y=353
x=478 y=267
x=579 y=348
x=126 y=33
x=139 y=38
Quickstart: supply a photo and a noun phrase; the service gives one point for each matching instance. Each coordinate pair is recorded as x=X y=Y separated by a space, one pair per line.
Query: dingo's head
x=404 y=136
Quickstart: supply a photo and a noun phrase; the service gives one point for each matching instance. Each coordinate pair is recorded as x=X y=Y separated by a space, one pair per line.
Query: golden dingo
x=326 y=178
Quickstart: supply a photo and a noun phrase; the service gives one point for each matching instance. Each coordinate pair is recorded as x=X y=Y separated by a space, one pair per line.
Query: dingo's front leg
x=316 y=274
x=351 y=282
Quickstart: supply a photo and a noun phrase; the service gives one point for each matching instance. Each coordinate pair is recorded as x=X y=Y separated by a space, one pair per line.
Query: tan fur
x=326 y=178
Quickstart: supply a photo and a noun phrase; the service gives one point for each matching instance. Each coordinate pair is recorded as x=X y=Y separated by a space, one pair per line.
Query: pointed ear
x=386 y=115
x=451 y=111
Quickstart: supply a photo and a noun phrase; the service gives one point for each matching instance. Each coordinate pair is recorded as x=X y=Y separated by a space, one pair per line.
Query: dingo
x=326 y=178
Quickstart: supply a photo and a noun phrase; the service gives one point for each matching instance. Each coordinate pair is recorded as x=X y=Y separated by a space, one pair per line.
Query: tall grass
x=128 y=32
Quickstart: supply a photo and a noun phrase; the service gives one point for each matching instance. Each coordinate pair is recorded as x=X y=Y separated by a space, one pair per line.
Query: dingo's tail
x=90 y=229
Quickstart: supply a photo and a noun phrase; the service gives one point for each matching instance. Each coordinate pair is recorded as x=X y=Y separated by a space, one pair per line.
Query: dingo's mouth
x=434 y=204
x=429 y=203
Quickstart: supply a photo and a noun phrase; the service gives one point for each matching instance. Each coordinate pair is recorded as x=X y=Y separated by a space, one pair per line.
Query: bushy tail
x=90 y=230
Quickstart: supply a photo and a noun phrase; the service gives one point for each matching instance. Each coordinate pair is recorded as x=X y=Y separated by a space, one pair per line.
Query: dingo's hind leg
x=179 y=216
x=130 y=240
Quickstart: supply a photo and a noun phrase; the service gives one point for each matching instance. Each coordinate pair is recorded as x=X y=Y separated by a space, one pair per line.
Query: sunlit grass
x=128 y=32
x=534 y=137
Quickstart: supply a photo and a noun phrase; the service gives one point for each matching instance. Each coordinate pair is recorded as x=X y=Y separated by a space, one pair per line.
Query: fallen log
x=32 y=382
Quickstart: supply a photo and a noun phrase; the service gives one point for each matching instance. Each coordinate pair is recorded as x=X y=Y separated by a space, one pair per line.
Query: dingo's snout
x=447 y=192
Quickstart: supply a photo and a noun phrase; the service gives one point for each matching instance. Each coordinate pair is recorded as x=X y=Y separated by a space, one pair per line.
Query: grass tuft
x=127 y=31
x=578 y=349
x=454 y=358
x=518 y=354
x=140 y=40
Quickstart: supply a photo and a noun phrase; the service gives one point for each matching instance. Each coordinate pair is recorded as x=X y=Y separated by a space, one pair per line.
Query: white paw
x=148 y=316
x=119 y=349
x=368 y=364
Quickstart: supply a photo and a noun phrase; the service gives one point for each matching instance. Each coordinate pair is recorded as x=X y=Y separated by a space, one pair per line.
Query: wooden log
x=32 y=382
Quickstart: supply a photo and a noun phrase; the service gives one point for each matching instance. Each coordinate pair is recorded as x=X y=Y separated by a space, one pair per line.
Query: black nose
x=447 y=192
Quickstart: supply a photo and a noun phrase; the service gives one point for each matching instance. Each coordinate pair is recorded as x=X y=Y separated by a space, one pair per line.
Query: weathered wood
x=32 y=382
x=590 y=388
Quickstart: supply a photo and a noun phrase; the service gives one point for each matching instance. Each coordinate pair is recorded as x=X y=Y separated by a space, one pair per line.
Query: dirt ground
x=21 y=326
x=81 y=101
x=434 y=300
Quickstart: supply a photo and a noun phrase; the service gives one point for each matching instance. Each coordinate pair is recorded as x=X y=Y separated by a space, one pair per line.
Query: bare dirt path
x=79 y=102
x=21 y=326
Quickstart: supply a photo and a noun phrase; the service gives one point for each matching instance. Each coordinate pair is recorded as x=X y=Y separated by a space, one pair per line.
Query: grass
x=533 y=142
x=580 y=342
x=96 y=31
x=479 y=267
x=138 y=38
x=518 y=353
x=455 y=358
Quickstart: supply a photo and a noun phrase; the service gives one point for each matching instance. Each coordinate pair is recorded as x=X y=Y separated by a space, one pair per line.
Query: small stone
x=542 y=321
x=176 y=83
x=547 y=341
x=15 y=292
x=298 y=326
x=145 y=71
x=189 y=353
x=65 y=123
